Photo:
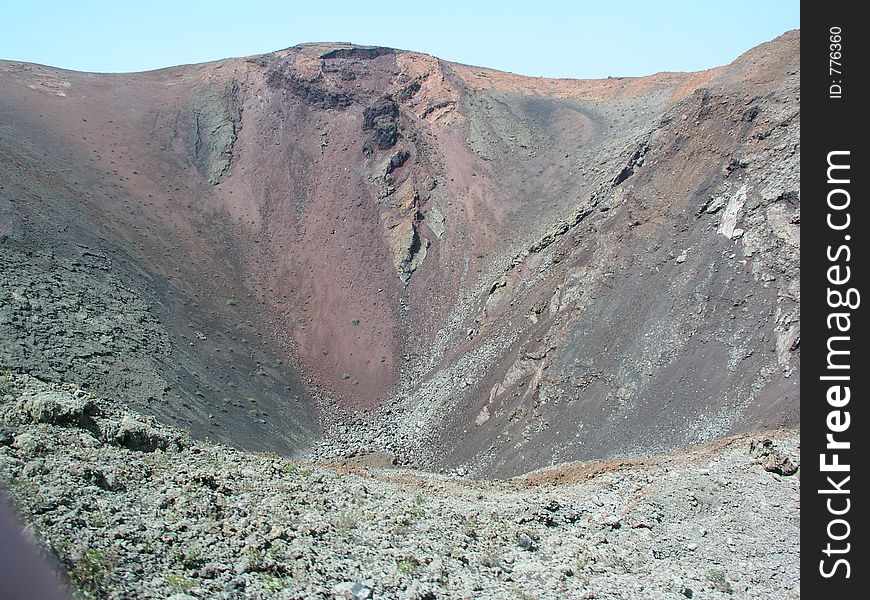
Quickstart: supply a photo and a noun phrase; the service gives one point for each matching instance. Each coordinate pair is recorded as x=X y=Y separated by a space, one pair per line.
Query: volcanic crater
x=338 y=251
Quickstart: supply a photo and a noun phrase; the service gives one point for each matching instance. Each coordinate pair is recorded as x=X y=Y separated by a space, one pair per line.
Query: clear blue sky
x=542 y=38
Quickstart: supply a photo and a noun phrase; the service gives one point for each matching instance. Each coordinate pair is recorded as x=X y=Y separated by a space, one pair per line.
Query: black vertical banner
x=834 y=432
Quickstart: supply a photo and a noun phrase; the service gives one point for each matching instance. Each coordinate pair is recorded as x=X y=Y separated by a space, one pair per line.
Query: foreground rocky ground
x=133 y=509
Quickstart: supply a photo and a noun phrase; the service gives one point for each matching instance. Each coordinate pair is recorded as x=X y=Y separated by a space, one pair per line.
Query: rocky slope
x=130 y=508
x=343 y=250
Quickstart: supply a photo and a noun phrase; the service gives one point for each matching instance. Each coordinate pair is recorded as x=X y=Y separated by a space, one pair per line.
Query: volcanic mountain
x=339 y=250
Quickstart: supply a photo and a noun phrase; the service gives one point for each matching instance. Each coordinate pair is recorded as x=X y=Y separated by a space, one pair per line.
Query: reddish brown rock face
x=523 y=270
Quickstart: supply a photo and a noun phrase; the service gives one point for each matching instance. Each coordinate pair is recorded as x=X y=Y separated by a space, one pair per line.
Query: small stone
x=28 y=443
x=32 y=469
x=779 y=464
x=525 y=542
x=58 y=408
x=350 y=590
x=241 y=567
